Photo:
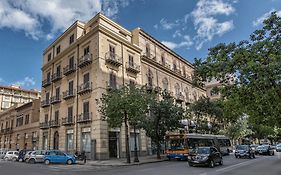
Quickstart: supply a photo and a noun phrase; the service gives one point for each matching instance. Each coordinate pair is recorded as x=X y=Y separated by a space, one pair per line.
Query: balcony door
x=86 y=110
x=56 y=140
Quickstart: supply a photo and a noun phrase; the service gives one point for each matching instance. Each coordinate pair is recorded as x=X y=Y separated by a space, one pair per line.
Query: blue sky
x=189 y=27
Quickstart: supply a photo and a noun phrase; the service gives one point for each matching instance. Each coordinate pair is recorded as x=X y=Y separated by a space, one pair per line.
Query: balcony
x=111 y=86
x=55 y=99
x=8 y=130
x=179 y=97
x=68 y=94
x=85 y=87
x=113 y=59
x=68 y=120
x=69 y=69
x=2 y=131
x=54 y=123
x=84 y=117
x=45 y=103
x=134 y=68
x=85 y=60
x=46 y=82
x=44 y=125
x=56 y=76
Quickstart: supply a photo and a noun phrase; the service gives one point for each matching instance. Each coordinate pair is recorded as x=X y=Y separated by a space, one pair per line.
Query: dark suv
x=244 y=151
x=205 y=156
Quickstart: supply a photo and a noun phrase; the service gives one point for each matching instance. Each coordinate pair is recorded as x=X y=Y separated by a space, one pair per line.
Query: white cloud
x=260 y=20
x=30 y=16
x=168 y=25
x=26 y=82
x=205 y=23
x=177 y=34
x=186 y=43
x=1 y=80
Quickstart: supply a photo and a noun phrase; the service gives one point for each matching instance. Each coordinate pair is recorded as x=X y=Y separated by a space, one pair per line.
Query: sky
x=189 y=27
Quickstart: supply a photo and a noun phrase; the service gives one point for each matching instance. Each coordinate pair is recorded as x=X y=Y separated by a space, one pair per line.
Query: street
x=260 y=166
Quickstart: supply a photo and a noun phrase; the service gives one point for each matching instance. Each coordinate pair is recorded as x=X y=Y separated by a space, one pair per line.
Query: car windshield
x=16 y=153
x=242 y=147
x=263 y=147
x=203 y=151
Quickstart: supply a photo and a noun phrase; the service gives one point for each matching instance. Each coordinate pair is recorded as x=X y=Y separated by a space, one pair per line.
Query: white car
x=12 y=155
x=2 y=154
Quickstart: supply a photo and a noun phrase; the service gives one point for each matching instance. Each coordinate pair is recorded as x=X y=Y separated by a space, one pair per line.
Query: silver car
x=26 y=156
x=36 y=156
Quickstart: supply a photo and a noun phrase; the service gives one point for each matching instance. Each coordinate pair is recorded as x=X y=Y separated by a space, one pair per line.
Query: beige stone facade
x=82 y=63
x=20 y=126
x=12 y=95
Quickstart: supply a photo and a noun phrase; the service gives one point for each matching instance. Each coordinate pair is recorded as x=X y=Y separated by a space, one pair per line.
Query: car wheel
x=212 y=164
x=69 y=162
x=31 y=161
x=6 y=159
x=236 y=157
x=190 y=164
x=254 y=156
x=14 y=159
x=47 y=162
x=221 y=162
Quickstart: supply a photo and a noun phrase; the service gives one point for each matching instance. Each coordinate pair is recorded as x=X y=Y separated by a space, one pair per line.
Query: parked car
x=57 y=156
x=208 y=156
x=278 y=148
x=12 y=155
x=265 y=150
x=244 y=151
x=22 y=154
x=36 y=156
x=2 y=154
x=26 y=156
x=254 y=148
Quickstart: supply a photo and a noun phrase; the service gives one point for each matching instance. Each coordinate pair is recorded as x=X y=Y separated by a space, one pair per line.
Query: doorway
x=56 y=140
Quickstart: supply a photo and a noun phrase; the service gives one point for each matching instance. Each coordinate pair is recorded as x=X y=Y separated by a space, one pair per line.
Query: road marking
x=240 y=164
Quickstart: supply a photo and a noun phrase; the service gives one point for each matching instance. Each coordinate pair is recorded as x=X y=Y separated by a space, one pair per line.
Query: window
x=174 y=65
x=58 y=49
x=71 y=39
x=49 y=57
x=86 y=78
x=177 y=89
x=70 y=112
x=183 y=70
x=46 y=118
x=187 y=94
x=49 y=76
x=131 y=60
x=131 y=82
x=19 y=121
x=163 y=61
x=69 y=140
x=149 y=78
x=57 y=116
x=112 y=80
x=71 y=62
x=47 y=96
x=57 y=92
x=112 y=51
x=165 y=84
x=58 y=70
x=70 y=87
x=86 y=107
x=147 y=50
x=26 y=119
x=86 y=50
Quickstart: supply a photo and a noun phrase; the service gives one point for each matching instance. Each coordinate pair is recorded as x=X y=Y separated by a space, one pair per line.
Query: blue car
x=57 y=156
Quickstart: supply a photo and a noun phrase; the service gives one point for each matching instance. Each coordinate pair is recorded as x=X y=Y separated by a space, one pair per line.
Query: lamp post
x=136 y=159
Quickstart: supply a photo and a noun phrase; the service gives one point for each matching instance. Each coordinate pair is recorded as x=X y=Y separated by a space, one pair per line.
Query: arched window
x=165 y=84
x=149 y=78
x=147 y=50
x=177 y=89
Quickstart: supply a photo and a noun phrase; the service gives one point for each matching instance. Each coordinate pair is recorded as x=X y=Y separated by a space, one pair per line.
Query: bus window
x=176 y=144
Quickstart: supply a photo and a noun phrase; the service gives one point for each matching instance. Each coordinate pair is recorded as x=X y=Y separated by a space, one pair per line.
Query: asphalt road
x=262 y=165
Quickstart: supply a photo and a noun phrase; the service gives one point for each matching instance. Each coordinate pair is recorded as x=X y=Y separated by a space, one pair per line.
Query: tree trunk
x=158 y=150
x=127 y=139
x=136 y=159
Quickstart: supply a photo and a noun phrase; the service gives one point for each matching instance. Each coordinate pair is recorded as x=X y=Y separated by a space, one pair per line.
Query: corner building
x=82 y=63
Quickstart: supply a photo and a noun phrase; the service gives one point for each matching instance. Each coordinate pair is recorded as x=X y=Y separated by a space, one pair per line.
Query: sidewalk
x=122 y=161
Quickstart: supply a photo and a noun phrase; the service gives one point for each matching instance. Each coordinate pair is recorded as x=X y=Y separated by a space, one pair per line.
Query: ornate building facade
x=82 y=63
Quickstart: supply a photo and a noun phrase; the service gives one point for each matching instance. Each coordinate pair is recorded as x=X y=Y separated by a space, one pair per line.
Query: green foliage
x=128 y=101
x=250 y=73
x=164 y=115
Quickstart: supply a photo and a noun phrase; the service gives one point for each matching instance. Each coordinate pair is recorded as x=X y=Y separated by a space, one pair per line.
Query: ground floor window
x=132 y=141
x=86 y=140
x=69 y=140
x=45 y=141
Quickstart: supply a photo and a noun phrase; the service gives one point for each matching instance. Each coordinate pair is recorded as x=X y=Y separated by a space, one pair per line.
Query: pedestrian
x=84 y=156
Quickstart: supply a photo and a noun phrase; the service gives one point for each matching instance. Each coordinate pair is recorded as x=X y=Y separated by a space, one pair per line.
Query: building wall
x=12 y=95
x=20 y=126
x=101 y=35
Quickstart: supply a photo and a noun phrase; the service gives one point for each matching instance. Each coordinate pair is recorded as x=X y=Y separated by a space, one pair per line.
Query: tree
x=126 y=105
x=164 y=115
x=250 y=72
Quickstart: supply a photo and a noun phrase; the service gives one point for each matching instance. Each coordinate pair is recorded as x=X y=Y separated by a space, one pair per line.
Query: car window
x=59 y=153
x=52 y=153
x=10 y=152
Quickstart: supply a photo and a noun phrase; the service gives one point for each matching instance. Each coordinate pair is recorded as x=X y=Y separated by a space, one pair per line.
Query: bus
x=178 y=146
